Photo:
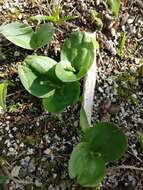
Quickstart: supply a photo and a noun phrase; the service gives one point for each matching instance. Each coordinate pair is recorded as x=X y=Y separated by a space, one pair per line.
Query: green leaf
x=65 y=18
x=78 y=54
x=65 y=71
x=38 y=77
x=22 y=35
x=87 y=167
x=83 y=119
x=18 y=33
x=114 y=6
x=36 y=85
x=107 y=139
x=42 y=36
x=43 y=66
x=53 y=18
x=40 y=64
x=3 y=94
x=3 y=179
x=96 y=17
x=39 y=18
x=67 y=95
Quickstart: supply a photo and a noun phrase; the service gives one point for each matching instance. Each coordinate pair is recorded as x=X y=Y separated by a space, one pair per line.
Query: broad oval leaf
x=42 y=36
x=43 y=66
x=66 y=95
x=114 y=6
x=18 y=33
x=87 y=167
x=107 y=139
x=79 y=51
x=35 y=84
x=40 y=64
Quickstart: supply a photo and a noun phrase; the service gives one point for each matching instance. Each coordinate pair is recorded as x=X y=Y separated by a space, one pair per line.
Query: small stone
x=21 y=145
x=114 y=108
x=130 y=21
x=10 y=136
x=37 y=183
x=76 y=124
x=7 y=128
x=100 y=90
x=134 y=96
x=12 y=10
x=47 y=151
x=15 y=171
x=31 y=166
x=30 y=151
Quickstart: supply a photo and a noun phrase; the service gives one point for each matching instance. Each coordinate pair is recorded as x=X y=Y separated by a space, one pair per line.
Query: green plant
x=3 y=94
x=114 y=6
x=57 y=84
x=101 y=144
x=55 y=16
x=96 y=17
x=24 y=36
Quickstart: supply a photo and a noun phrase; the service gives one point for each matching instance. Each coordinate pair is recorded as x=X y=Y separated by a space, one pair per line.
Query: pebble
x=47 y=151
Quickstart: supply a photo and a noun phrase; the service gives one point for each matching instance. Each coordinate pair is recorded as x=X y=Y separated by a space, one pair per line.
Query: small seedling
x=101 y=144
x=96 y=17
x=55 y=16
x=57 y=83
x=24 y=36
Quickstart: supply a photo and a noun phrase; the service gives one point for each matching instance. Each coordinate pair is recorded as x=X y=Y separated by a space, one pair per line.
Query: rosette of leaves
x=101 y=144
x=38 y=76
x=77 y=56
x=43 y=76
x=24 y=36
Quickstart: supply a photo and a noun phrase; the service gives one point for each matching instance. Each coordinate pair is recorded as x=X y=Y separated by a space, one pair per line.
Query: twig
x=20 y=181
x=133 y=154
x=128 y=167
x=12 y=94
